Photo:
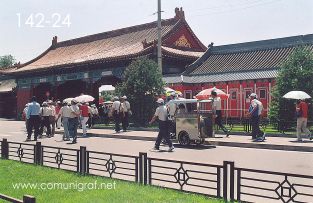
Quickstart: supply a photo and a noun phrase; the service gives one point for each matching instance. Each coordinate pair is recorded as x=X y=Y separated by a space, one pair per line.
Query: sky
x=218 y=21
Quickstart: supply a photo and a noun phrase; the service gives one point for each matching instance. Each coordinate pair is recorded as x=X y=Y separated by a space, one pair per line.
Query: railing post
x=143 y=174
x=38 y=153
x=232 y=181
x=29 y=199
x=238 y=185
x=82 y=160
x=5 y=149
x=225 y=174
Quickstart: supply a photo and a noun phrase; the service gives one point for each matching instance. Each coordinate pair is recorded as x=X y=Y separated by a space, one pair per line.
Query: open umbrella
x=84 y=98
x=206 y=94
x=297 y=95
x=68 y=100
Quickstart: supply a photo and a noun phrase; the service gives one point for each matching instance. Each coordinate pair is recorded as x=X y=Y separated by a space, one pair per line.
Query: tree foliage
x=296 y=74
x=6 y=61
x=142 y=83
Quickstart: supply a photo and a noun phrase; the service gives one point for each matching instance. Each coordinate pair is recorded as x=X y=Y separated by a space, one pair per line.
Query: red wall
x=23 y=97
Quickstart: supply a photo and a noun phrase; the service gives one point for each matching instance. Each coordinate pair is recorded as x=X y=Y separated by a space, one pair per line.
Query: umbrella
x=84 y=98
x=169 y=91
x=68 y=100
x=297 y=95
x=108 y=102
x=206 y=94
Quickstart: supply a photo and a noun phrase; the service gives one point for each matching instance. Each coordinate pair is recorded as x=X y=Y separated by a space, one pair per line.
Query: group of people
x=121 y=111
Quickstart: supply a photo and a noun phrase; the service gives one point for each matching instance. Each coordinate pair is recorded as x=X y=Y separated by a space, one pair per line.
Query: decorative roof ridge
x=234 y=72
x=277 y=43
x=115 y=33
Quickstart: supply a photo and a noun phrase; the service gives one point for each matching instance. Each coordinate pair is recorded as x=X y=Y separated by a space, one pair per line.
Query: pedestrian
x=217 y=112
x=65 y=114
x=125 y=112
x=254 y=112
x=33 y=118
x=24 y=115
x=116 y=114
x=85 y=117
x=95 y=114
x=106 y=110
x=45 y=113
x=302 y=119
x=52 y=117
x=57 y=110
x=73 y=120
x=172 y=110
x=101 y=113
x=162 y=116
x=90 y=116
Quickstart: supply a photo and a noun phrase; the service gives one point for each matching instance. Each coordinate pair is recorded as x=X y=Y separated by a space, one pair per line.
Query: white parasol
x=297 y=95
x=85 y=98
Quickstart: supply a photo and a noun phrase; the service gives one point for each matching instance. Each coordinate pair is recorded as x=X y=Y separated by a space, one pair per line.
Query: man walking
x=302 y=119
x=216 y=107
x=255 y=111
x=45 y=113
x=172 y=110
x=65 y=113
x=125 y=108
x=33 y=119
x=85 y=116
x=73 y=120
x=161 y=114
x=116 y=114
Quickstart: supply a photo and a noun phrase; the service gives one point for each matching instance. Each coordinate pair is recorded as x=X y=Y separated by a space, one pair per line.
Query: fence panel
x=124 y=167
x=21 y=152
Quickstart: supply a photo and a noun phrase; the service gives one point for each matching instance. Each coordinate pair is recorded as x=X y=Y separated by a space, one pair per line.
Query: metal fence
x=219 y=181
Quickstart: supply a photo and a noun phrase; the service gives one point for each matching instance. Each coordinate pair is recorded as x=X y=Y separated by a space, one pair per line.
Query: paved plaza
x=133 y=142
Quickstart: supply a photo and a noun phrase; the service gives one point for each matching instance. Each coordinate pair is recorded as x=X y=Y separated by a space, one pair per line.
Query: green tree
x=296 y=74
x=142 y=83
x=6 y=61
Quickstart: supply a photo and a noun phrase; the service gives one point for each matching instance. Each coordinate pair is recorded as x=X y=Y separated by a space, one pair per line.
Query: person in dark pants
x=254 y=113
x=124 y=111
x=45 y=113
x=33 y=118
x=161 y=114
x=73 y=120
x=116 y=114
x=217 y=106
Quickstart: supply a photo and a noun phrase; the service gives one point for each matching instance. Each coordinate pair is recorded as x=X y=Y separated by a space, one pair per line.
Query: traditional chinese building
x=69 y=68
x=239 y=70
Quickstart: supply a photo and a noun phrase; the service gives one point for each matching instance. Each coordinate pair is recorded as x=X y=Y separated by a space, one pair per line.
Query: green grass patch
x=13 y=172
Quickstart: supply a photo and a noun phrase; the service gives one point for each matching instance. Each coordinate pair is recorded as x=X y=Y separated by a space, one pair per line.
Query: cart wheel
x=183 y=138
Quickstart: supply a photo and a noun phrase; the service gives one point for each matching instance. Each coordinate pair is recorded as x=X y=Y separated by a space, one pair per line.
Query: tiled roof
x=250 y=56
x=125 y=43
x=222 y=77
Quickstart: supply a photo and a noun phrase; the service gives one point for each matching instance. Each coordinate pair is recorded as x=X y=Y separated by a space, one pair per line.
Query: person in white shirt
x=73 y=120
x=125 y=109
x=52 y=117
x=116 y=114
x=172 y=110
x=161 y=115
x=45 y=113
x=217 y=111
x=65 y=112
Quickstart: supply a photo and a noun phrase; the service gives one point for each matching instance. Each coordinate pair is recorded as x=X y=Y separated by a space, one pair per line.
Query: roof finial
x=54 y=40
x=179 y=13
x=211 y=45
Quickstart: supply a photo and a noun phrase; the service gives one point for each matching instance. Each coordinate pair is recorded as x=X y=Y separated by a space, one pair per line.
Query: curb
x=216 y=143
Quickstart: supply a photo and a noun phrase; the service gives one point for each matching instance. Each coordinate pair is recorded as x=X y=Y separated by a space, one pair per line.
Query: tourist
x=125 y=111
x=101 y=113
x=161 y=115
x=172 y=110
x=52 y=117
x=64 y=114
x=116 y=114
x=302 y=119
x=90 y=116
x=45 y=113
x=33 y=118
x=73 y=120
x=217 y=112
x=95 y=114
x=254 y=112
x=84 y=117
x=57 y=110
x=24 y=115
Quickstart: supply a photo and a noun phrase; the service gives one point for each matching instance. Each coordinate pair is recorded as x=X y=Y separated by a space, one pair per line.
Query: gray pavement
x=274 y=160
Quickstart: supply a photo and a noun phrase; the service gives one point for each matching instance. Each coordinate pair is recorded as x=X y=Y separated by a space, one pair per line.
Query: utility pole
x=159 y=37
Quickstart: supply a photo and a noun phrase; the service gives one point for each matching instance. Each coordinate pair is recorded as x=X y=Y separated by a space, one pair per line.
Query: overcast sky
x=218 y=21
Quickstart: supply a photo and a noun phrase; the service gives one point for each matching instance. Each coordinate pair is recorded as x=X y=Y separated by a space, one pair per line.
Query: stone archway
x=71 y=88
x=43 y=92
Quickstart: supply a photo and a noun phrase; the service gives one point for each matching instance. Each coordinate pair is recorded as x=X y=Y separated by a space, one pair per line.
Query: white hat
x=160 y=101
x=115 y=98
x=124 y=97
x=74 y=101
x=173 y=93
x=253 y=95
